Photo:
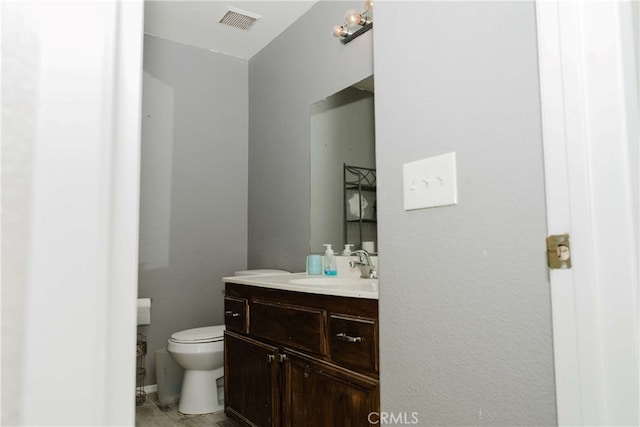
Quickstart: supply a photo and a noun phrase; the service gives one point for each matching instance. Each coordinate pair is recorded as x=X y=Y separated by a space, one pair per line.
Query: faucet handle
x=363 y=255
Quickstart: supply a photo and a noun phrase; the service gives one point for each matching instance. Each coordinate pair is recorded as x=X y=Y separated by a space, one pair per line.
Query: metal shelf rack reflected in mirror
x=360 y=216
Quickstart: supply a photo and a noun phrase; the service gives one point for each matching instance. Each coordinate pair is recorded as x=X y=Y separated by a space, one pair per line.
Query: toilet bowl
x=200 y=352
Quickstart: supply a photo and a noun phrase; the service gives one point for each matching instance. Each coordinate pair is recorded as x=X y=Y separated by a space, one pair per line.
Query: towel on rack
x=354 y=203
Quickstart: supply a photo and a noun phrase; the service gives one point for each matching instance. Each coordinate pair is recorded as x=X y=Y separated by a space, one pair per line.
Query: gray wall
x=302 y=66
x=466 y=334
x=193 y=213
x=465 y=317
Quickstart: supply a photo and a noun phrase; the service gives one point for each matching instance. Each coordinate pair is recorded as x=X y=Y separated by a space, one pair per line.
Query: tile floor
x=154 y=414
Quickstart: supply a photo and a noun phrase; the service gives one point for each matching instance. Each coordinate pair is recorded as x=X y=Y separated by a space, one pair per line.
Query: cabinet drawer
x=290 y=325
x=353 y=342
x=236 y=312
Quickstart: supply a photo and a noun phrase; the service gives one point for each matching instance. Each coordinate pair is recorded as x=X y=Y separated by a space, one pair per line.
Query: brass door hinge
x=559 y=251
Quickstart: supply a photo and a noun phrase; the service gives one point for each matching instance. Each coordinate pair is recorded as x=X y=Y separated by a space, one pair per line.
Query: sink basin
x=343 y=282
x=331 y=281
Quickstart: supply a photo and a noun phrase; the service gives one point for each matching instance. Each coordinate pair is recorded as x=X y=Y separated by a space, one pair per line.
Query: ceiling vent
x=239 y=18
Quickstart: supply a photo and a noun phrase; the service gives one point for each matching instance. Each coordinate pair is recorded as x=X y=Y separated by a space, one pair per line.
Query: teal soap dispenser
x=329 y=262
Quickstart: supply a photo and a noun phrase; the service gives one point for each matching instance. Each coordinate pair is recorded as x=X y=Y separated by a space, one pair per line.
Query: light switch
x=430 y=182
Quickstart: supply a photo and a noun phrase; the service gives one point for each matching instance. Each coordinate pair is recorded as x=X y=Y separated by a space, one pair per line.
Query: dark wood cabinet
x=236 y=314
x=291 y=325
x=300 y=359
x=251 y=380
x=354 y=342
x=321 y=394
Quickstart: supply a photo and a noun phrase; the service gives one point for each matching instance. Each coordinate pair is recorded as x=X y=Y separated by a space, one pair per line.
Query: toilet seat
x=199 y=335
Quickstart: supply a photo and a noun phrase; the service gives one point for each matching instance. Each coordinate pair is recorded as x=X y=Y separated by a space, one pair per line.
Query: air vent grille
x=239 y=19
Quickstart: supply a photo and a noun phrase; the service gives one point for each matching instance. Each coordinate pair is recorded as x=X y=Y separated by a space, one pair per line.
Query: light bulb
x=339 y=31
x=352 y=18
x=368 y=5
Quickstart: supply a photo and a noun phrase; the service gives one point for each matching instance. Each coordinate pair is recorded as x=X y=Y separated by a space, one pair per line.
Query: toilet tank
x=260 y=272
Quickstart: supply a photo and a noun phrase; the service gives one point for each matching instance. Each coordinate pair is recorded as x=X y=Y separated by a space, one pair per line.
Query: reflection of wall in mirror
x=342 y=131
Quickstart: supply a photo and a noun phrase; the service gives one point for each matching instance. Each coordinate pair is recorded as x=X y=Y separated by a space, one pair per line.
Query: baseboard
x=151 y=388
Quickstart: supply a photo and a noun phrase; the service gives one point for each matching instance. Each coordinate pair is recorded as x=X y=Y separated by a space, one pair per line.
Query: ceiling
x=196 y=23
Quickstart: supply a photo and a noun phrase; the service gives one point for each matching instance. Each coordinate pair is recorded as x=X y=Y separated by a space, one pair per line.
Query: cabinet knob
x=231 y=314
x=347 y=338
x=270 y=358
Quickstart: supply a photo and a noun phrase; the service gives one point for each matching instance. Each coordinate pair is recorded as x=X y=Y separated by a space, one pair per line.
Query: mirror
x=343 y=133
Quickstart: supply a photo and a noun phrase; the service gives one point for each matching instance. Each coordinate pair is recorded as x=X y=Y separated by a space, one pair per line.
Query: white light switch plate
x=430 y=182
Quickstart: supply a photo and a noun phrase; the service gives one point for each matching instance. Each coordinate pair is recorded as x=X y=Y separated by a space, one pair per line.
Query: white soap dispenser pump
x=329 y=261
x=347 y=249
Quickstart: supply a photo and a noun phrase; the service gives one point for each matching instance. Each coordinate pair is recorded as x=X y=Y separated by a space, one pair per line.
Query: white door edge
x=589 y=122
x=79 y=318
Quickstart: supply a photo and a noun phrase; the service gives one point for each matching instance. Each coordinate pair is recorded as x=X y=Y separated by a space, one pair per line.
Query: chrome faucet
x=364 y=264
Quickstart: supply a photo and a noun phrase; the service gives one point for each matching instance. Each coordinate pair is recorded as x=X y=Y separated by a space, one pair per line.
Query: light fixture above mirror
x=355 y=23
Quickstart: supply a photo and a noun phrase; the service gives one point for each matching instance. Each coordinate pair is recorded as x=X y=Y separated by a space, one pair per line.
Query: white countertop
x=301 y=282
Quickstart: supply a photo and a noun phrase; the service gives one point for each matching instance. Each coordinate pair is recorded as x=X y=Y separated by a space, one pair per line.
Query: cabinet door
x=320 y=394
x=251 y=381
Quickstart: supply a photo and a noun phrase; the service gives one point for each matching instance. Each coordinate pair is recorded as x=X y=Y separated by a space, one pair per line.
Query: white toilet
x=200 y=352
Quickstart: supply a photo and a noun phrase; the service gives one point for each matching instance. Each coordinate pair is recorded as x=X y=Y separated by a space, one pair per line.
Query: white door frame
x=84 y=63
x=590 y=126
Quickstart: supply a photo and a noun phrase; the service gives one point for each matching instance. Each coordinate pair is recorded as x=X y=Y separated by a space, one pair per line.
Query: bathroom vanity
x=301 y=354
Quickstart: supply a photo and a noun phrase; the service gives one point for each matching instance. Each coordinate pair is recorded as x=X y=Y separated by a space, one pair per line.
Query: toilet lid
x=199 y=335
